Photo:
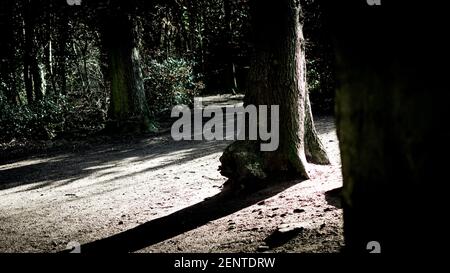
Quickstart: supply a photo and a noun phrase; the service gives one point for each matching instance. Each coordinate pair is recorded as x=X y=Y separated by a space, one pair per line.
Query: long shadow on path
x=225 y=203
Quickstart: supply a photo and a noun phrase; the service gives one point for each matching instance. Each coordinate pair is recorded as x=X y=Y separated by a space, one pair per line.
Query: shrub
x=169 y=83
x=40 y=120
x=321 y=84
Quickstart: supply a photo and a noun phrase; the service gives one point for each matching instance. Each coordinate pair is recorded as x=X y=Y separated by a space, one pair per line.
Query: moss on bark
x=128 y=111
x=277 y=77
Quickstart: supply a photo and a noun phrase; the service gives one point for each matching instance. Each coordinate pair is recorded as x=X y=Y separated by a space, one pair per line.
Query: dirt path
x=150 y=185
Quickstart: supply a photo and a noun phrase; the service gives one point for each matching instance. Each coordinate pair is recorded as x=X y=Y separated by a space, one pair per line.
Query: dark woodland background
x=54 y=75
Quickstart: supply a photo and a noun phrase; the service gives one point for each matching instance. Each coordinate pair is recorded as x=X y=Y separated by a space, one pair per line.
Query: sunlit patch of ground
x=47 y=202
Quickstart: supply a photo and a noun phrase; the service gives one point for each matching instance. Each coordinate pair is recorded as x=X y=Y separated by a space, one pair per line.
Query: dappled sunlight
x=116 y=188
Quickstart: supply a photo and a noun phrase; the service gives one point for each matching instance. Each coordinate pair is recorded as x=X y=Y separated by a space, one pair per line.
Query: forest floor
x=170 y=194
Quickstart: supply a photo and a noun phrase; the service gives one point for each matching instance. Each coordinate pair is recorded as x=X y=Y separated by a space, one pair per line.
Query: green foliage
x=321 y=84
x=50 y=118
x=169 y=83
x=84 y=115
x=320 y=59
x=41 y=120
x=184 y=45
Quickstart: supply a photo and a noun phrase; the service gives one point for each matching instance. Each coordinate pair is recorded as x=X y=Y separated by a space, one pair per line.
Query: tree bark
x=390 y=115
x=128 y=109
x=31 y=70
x=62 y=50
x=8 y=66
x=27 y=51
x=231 y=73
x=37 y=76
x=277 y=77
x=314 y=149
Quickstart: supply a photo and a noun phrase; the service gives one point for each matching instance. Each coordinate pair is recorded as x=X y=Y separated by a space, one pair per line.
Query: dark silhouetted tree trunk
x=390 y=111
x=277 y=77
x=8 y=58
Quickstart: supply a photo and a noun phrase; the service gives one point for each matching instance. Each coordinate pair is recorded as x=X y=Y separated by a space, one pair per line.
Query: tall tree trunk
x=128 y=109
x=391 y=110
x=8 y=69
x=194 y=29
x=315 y=152
x=63 y=34
x=49 y=63
x=27 y=51
x=38 y=79
x=202 y=40
x=32 y=72
x=277 y=77
x=50 y=12
x=231 y=73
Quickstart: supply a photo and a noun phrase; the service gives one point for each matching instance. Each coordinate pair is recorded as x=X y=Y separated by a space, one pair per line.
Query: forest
x=62 y=64
x=100 y=151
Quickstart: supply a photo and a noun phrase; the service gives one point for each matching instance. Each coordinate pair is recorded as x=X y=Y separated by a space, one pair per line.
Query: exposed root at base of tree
x=245 y=165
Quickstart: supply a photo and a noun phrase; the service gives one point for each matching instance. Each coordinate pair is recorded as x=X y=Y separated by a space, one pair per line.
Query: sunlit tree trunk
x=277 y=77
x=314 y=149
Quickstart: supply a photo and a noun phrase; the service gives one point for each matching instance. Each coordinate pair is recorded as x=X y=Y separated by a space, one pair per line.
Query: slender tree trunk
x=193 y=27
x=38 y=81
x=8 y=51
x=13 y=95
x=49 y=62
x=28 y=81
x=277 y=77
x=32 y=72
x=231 y=73
x=27 y=51
x=181 y=36
x=203 y=30
x=128 y=109
x=49 y=58
x=63 y=30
